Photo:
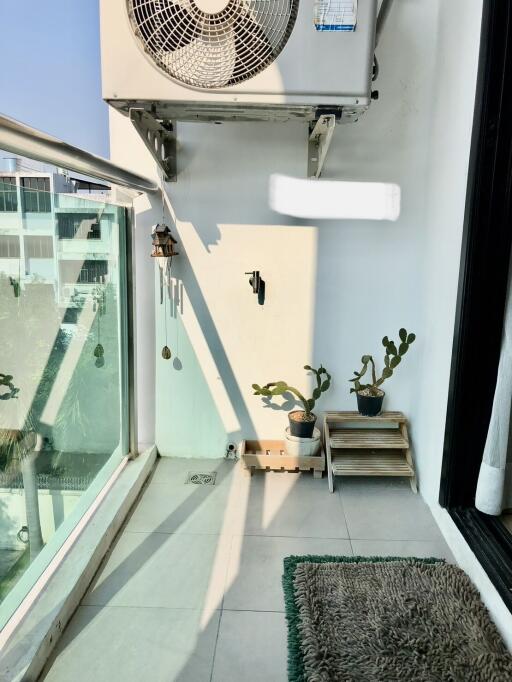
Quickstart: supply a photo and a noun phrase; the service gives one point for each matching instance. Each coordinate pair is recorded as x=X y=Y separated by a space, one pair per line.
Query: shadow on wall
x=222 y=340
x=197 y=391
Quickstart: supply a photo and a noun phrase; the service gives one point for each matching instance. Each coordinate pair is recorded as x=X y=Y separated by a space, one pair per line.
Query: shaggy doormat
x=384 y=619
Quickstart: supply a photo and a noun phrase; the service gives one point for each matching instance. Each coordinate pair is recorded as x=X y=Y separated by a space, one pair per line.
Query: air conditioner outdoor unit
x=215 y=60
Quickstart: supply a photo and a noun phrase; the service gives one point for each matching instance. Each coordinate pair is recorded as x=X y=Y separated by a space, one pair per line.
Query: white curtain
x=494 y=489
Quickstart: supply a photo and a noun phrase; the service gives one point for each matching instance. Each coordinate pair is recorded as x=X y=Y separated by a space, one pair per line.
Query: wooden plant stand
x=367 y=446
x=270 y=455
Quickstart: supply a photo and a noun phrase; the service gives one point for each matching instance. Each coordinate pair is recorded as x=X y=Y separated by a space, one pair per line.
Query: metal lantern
x=163 y=242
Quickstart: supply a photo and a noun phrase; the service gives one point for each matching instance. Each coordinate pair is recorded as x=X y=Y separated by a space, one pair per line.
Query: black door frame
x=483 y=279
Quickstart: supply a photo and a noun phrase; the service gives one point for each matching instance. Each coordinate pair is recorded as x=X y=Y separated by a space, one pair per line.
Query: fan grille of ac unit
x=212 y=50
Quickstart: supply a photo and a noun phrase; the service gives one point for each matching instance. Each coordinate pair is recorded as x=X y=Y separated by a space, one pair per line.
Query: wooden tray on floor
x=270 y=455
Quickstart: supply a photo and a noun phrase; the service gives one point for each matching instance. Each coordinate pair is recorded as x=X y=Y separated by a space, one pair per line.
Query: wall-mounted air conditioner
x=185 y=60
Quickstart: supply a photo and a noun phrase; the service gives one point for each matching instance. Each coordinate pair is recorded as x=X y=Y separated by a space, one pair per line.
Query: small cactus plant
x=323 y=382
x=392 y=359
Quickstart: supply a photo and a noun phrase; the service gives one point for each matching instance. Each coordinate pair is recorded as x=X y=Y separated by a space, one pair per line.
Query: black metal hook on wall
x=257 y=284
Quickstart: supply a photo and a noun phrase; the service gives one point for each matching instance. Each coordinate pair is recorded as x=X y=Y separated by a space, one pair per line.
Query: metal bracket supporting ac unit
x=159 y=138
x=320 y=135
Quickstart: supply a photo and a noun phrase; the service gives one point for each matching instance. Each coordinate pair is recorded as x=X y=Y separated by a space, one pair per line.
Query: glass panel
x=8 y=194
x=63 y=375
x=9 y=246
x=36 y=195
x=78 y=226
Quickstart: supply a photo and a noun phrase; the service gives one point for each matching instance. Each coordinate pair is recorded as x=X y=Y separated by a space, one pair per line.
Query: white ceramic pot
x=302 y=447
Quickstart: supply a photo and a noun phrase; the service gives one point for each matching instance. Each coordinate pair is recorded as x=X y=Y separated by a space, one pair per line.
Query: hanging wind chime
x=99 y=307
x=163 y=251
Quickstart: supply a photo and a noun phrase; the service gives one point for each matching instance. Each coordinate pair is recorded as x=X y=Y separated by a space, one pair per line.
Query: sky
x=50 y=69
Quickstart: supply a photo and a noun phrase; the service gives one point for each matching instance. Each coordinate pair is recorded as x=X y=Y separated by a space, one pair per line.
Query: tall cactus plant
x=275 y=388
x=392 y=359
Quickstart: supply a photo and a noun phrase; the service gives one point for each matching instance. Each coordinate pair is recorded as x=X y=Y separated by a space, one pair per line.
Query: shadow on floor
x=233 y=626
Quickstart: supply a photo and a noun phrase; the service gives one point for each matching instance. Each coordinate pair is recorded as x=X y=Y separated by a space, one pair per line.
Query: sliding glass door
x=479 y=325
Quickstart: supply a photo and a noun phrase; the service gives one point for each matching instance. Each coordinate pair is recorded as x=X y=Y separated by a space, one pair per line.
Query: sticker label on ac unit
x=335 y=15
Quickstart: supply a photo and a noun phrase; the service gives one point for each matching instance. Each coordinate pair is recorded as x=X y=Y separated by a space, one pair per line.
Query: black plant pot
x=301 y=429
x=370 y=405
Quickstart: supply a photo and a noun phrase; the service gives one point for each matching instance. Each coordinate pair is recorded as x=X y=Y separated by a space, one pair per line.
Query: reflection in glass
x=61 y=367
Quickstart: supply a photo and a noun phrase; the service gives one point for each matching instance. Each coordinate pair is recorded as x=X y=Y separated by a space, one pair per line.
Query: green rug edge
x=295 y=659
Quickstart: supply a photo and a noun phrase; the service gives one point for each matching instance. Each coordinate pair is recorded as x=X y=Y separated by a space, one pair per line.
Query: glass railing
x=63 y=375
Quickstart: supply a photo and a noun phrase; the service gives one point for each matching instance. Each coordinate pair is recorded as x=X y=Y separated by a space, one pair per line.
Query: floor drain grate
x=202 y=478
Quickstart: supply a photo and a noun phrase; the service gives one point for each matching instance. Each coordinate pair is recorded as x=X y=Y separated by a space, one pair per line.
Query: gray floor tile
x=403 y=548
x=189 y=551
x=385 y=509
x=251 y=646
x=177 y=507
x=294 y=505
x=256 y=567
x=175 y=469
x=173 y=571
x=132 y=644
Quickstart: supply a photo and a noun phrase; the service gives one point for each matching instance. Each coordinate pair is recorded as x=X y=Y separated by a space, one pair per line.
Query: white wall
x=333 y=290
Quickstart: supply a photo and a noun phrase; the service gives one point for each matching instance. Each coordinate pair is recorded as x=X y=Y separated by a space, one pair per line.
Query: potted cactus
x=302 y=422
x=370 y=396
